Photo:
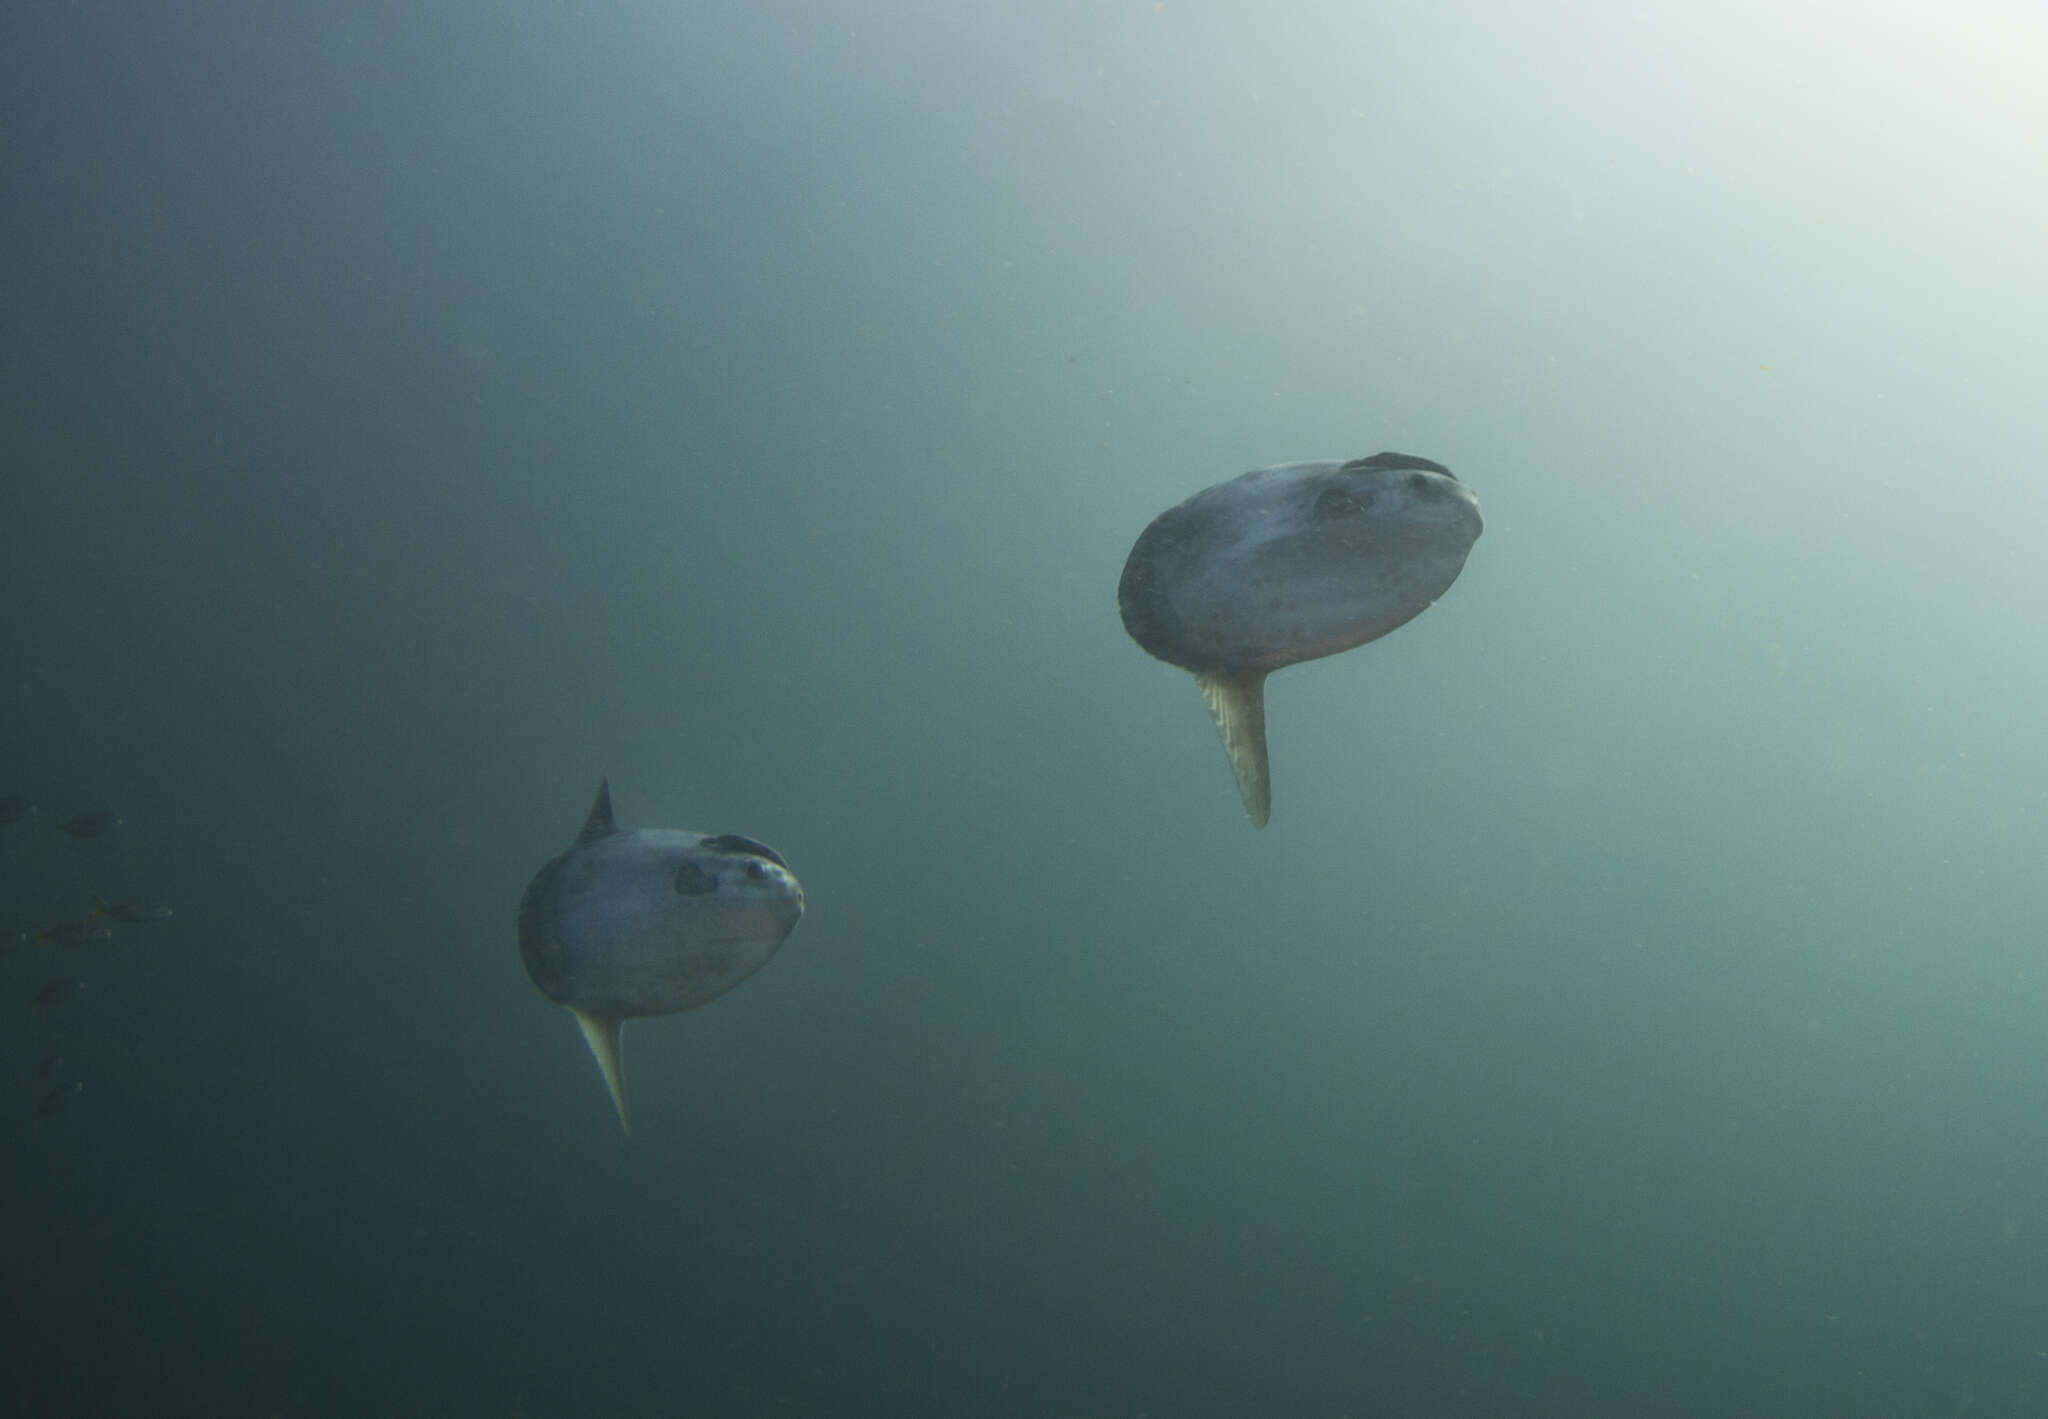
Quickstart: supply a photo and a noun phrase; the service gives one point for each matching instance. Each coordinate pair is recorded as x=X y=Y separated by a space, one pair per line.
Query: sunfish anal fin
x=601 y=1033
x=1238 y=705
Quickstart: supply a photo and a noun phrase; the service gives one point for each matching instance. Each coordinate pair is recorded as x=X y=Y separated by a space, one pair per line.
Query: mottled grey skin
x=650 y=921
x=1296 y=562
x=1287 y=564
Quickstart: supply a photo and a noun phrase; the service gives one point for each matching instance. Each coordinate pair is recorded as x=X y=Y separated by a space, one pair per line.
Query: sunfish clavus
x=650 y=921
x=1286 y=564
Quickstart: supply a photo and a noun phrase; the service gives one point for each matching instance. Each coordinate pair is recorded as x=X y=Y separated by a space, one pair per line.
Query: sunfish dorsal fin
x=601 y=1033
x=1238 y=705
x=599 y=824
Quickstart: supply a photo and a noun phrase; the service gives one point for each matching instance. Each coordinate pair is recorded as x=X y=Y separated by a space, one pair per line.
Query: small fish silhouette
x=53 y=1103
x=97 y=823
x=56 y=991
x=134 y=911
x=71 y=933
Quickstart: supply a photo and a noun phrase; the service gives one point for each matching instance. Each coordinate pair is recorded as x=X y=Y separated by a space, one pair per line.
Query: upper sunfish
x=650 y=921
x=1286 y=564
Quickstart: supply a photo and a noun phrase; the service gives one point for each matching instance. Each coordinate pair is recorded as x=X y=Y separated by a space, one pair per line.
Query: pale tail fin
x=1238 y=704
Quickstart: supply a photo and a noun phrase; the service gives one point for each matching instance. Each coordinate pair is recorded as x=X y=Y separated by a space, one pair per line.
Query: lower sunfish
x=650 y=921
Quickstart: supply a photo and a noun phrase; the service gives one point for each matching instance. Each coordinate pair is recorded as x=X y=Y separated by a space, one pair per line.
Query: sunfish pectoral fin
x=601 y=1033
x=1238 y=705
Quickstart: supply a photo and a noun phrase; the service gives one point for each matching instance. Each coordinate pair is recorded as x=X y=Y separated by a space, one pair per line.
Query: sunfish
x=1286 y=564
x=650 y=921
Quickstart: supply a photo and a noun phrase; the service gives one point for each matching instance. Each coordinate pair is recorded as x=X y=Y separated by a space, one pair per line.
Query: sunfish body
x=650 y=921
x=1286 y=564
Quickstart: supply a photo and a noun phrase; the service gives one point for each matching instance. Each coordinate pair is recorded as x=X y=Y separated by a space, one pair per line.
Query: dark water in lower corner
x=411 y=414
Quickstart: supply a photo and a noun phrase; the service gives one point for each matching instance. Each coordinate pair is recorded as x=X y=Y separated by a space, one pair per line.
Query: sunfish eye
x=694 y=881
x=747 y=847
x=756 y=872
